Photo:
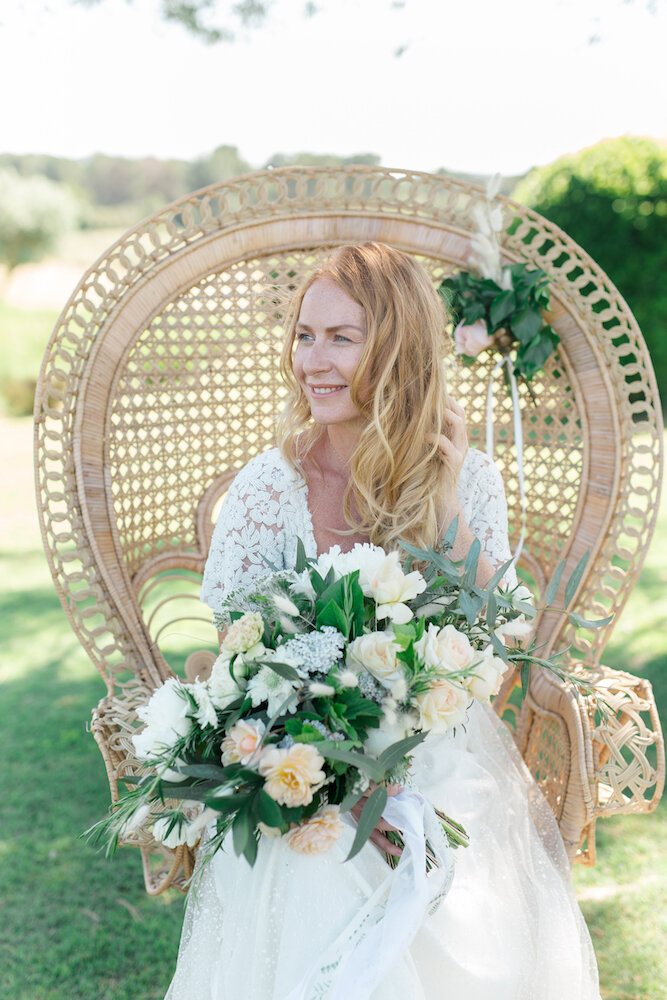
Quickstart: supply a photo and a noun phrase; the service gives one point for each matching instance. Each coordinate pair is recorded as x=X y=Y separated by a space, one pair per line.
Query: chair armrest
x=114 y=721
x=590 y=768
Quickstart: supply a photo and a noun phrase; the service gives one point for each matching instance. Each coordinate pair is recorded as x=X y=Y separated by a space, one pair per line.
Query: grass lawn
x=80 y=927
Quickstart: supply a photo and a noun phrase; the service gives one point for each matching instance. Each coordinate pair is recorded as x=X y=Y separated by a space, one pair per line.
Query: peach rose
x=443 y=706
x=376 y=653
x=445 y=648
x=292 y=775
x=242 y=741
x=473 y=339
x=318 y=833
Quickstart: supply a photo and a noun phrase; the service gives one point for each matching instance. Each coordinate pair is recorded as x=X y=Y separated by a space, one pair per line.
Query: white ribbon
x=385 y=926
x=518 y=438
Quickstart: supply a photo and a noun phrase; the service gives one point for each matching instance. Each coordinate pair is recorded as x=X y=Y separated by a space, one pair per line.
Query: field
x=78 y=926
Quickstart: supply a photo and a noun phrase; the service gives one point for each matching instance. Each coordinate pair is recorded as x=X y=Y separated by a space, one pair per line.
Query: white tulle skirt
x=509 y=928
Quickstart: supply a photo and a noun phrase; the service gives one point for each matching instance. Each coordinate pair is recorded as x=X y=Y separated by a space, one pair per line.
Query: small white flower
x=348 y=679
x=206 y=714
x=166 y=718
x=269 y=686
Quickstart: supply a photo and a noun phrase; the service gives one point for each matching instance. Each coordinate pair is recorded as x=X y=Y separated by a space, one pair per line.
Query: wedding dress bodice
x=266 y=511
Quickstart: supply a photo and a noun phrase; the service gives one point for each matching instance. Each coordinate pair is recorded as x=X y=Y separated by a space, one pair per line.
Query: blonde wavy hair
x=396 y=477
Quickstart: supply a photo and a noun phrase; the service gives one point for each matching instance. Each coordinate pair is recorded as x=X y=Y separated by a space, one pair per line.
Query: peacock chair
x=161 y=381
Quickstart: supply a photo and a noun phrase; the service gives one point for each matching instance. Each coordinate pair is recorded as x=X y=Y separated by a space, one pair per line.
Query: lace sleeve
x=482 y=498
x=249 y=531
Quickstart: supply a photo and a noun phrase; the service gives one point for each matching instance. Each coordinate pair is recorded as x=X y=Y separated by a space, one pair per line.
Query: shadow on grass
x=74 y=924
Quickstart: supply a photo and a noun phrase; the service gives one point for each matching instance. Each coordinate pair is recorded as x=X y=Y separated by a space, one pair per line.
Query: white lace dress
x=510 y=927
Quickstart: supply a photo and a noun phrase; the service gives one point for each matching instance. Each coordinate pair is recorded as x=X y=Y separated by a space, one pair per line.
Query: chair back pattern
x=161 y=381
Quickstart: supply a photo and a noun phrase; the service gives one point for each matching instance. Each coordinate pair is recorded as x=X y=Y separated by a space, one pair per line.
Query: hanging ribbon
x=386 y=925
x=506 y=361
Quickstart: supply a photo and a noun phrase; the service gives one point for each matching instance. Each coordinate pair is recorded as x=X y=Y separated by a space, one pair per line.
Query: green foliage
x=612 y=199
x=34 y=213
x=517 y=311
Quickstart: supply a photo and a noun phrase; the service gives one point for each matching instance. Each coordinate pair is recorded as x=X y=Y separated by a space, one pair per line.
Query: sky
x=482 y=85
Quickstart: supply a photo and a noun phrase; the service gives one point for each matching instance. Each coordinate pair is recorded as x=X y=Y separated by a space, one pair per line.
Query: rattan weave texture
x=160 y=382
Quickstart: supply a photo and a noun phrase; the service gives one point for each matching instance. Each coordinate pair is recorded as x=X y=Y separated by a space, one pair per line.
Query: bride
x=373 y=449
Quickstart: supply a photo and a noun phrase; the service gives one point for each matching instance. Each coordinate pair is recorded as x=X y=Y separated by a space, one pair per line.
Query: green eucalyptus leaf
x=554 y=583
x=368 y=765
x=525 y=677
x=390 y=757
x=575 y=579
x=368 y=820
x=589 y=622
x=285 y=670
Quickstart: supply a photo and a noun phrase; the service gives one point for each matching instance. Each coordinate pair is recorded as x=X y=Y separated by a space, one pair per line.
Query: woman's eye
x=302 y=335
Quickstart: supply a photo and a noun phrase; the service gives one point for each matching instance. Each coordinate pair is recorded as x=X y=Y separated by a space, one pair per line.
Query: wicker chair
x=160 y=382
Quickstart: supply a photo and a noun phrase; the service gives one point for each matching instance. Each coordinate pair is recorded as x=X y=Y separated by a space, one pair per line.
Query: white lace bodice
x=266 y=510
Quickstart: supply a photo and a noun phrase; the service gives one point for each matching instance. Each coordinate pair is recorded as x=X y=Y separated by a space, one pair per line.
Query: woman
x=372 y=449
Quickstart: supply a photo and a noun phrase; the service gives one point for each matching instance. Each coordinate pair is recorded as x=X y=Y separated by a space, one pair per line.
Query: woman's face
x=330 y=339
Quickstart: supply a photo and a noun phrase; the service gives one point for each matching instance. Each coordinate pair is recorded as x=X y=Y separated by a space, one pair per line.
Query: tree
x=34 y=213
x=612 y=199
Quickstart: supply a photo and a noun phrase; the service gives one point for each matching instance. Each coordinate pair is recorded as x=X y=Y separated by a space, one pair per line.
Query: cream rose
x=487 y=677
x=443 y=706
x=242 y=741
x=376 y=653
x=390 y=587
x=445 y=648
x=473 y=339
x=243 y=634
x=318 y=833
x=292 y=775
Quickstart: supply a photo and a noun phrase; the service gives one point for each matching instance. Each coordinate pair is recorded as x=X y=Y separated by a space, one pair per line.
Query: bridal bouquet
x=328 y=678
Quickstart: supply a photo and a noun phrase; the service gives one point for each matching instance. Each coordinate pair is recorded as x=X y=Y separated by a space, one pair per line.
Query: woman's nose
x=316 y=359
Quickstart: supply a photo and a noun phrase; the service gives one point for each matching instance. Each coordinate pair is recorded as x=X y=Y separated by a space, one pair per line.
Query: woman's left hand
x=453 y=442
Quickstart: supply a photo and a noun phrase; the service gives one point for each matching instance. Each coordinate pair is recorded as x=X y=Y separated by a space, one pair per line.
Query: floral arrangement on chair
x=499 y=308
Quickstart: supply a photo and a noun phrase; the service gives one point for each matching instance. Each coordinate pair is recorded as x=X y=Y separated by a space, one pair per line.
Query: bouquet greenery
x=329 y=677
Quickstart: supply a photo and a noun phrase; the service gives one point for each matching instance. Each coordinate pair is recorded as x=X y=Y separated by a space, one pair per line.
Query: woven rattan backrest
x=160 y=382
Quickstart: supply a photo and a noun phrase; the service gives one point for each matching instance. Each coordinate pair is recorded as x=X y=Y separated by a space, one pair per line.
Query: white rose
x=376 y=653
x=488 y=675
x=390 y=588
x=443 y=706
x=445 y=648
x=166 y=718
